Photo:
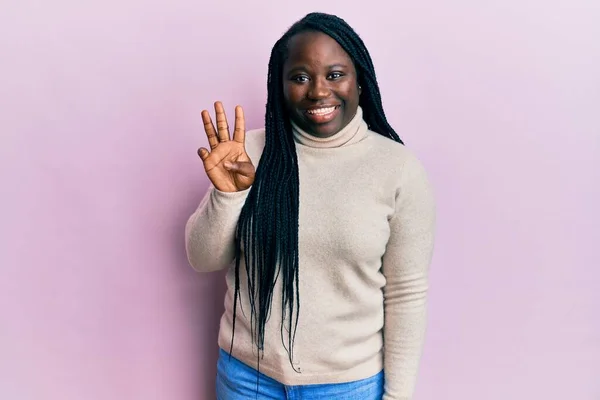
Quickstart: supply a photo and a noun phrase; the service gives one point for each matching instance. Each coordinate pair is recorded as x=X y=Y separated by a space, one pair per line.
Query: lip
x=322 y=118
x=321 y=106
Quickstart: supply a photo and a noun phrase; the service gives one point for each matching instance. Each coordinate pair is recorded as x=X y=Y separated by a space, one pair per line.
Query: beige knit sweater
x=366 y=234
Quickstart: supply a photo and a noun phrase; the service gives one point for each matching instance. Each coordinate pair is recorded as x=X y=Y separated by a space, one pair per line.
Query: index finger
x=239 y=133
x=209 y=128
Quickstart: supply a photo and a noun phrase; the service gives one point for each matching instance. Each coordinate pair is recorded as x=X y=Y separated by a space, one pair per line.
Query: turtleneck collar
x=354 y=132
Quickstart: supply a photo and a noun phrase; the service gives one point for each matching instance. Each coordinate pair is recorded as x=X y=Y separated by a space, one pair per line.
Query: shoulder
x=404 y=169
x=396 y=156
x=255 y=143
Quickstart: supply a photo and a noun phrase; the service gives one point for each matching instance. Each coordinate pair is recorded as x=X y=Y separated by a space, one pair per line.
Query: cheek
x=351 y=93
x=292 y=93
x=286 y=92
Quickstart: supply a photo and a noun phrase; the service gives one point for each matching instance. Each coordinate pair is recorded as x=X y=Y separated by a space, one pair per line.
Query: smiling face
x=320 y=84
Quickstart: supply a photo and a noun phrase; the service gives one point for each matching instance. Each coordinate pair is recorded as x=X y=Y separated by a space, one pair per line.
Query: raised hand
x=227 y=164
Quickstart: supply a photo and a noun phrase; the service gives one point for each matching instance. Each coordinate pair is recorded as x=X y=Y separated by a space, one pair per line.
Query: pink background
x=100 y=120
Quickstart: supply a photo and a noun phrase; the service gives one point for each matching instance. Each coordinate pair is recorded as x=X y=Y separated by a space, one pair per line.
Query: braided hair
x=267 y=229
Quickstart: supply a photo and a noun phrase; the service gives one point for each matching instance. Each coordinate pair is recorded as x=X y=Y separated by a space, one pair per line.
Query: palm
x=227 y=164
x=224 y=180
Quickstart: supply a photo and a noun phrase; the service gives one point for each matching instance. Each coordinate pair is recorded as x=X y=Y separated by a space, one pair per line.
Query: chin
x=322 y=130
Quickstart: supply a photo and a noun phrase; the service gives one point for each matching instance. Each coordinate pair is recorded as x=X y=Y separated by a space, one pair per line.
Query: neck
x=355 y=131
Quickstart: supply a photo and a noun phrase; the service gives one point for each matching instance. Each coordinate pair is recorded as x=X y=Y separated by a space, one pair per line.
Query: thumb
x=203 y=153
x=242 y=168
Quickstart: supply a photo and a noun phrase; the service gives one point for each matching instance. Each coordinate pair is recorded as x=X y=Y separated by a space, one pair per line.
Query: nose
x=319 y=89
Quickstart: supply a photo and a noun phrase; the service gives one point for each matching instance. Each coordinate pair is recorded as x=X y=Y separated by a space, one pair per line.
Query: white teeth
x=321 y=111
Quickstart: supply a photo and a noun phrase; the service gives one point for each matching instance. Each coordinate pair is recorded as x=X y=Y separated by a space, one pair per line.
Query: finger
x=239 y=133
x=222 y=127
x=203 y=153
x=242 y=168
x=209 y=128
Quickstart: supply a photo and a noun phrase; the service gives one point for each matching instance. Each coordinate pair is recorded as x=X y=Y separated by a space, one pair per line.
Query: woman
x=327 y=222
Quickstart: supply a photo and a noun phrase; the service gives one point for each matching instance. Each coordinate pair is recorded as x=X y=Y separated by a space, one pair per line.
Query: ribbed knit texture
x=366 y=234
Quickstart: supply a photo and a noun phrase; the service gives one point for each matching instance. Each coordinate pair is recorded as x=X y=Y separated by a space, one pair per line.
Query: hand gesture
x=227 y=164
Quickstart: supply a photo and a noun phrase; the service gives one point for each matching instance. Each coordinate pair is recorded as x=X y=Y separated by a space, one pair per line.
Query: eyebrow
x=338 y=65
x=332 y=66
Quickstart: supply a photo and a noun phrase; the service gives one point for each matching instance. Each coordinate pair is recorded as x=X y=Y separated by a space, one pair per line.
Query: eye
x=335 y=75
x=300 y=78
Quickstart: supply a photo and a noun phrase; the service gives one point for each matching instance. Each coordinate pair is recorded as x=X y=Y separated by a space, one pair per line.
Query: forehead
x=315 y=48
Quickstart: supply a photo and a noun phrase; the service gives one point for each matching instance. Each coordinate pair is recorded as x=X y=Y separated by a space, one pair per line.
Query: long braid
x=267 y=230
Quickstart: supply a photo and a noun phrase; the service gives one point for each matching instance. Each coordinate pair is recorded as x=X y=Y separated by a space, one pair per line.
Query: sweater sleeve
x=210 y=230
x=405 y=267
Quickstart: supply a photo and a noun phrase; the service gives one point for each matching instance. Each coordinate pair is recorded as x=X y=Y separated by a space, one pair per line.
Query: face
x=320 y=84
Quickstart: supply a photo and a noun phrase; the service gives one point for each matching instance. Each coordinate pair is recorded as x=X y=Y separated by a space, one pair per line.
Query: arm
x=210 y=231
x=405 y=266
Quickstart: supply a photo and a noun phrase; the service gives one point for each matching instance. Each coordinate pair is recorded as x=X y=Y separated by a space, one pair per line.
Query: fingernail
x=227 y=164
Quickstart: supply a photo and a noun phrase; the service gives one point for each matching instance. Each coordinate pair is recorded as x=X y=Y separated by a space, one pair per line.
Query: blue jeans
x=237 y=381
